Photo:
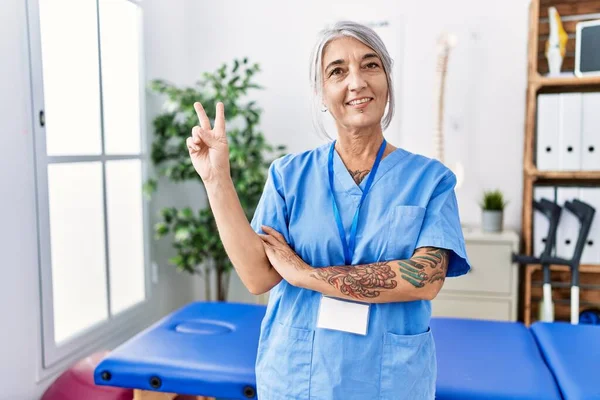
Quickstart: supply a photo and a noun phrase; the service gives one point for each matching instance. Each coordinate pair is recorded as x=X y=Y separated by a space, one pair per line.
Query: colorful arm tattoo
x=360 y=281
x=428 y=265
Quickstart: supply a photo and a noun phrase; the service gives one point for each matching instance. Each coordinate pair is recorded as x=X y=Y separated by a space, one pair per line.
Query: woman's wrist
x=217 y=183
x=305 y=278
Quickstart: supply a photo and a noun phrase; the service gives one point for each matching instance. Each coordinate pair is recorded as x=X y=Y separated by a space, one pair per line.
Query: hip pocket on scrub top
x=408 y=367
x=403 y=231
x=284 y=366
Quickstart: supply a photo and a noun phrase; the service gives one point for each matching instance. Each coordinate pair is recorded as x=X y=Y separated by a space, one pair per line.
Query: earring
x=324 y=109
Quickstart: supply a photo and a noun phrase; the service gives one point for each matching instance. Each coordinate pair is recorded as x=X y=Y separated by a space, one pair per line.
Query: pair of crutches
x=585 y=214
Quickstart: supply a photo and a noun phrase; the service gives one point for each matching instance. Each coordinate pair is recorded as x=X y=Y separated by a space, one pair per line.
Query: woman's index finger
x=220 y=117
x=202 y=117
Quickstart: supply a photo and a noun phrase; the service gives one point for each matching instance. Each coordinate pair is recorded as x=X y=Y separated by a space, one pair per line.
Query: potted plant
x=195 y=237
x=492 y=206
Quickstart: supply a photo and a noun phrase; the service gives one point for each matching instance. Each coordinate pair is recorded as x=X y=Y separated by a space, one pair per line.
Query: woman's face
x=352 y=71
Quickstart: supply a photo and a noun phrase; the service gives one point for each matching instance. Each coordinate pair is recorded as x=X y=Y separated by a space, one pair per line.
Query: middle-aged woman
x=353 y=239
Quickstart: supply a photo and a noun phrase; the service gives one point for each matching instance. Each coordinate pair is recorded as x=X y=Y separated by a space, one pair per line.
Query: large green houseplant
x=195 y=237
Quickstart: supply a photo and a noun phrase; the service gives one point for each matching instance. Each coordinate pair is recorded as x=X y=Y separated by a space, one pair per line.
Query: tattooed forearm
x=361 y=281
x=422 y=278
x=358 y=175
x=428 y=265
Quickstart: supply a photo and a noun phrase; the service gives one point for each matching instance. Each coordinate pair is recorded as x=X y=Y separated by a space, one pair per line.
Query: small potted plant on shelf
x=492 y=207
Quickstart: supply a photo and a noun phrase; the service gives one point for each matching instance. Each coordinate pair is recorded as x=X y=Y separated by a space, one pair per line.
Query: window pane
x=120 y=52
x=77 y=247
x=126 y=233
x=69 y=39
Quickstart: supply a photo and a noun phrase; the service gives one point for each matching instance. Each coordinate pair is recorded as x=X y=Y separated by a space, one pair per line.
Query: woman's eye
x=335 y=71
x=372 y=65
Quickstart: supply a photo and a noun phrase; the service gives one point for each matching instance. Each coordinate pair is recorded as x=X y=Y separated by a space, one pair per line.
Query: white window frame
x=54 y=357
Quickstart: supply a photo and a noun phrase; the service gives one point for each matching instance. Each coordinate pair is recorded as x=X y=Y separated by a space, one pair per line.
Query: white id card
x=343 y=315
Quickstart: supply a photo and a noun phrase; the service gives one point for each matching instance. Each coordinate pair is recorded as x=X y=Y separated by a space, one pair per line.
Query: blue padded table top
x=491 y=360
x=201 y=349
x=572 y=352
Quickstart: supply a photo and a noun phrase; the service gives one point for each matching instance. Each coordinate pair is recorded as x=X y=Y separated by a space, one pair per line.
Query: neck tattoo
x=358 y=175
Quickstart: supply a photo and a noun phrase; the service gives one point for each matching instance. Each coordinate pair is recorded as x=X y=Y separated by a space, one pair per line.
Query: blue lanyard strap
x=349 y=248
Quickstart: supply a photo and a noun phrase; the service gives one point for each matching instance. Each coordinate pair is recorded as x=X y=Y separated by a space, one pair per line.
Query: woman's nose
x=356 y=81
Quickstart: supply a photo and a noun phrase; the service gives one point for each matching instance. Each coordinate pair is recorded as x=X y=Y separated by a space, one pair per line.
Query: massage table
x=493 y=360
x=209 y=349
x=572 y=353
x=203 y=349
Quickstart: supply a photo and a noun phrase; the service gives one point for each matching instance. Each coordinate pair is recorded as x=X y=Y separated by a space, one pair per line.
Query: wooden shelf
x=566 y=82
x=539 y=82
x=582 y=304
x=558 y=177
x=589 y=275
x=562 y=310
x=562 y=285
x=583 y=268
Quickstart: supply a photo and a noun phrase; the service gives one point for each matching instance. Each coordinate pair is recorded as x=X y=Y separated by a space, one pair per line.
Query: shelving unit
x=571 y=13
x=567 y=82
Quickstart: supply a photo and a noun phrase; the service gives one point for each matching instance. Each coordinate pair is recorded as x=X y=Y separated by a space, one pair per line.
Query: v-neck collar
x=345 y=179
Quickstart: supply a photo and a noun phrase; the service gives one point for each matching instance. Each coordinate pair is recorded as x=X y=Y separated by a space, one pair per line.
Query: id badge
x=343 y=315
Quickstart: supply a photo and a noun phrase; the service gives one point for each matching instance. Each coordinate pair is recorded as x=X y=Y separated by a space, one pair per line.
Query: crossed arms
x=418 y=278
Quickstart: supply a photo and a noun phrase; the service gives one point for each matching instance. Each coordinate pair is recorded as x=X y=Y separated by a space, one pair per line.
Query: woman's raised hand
x=208 y=147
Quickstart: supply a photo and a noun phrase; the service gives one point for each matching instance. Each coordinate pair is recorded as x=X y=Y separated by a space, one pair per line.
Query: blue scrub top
x=411 y=204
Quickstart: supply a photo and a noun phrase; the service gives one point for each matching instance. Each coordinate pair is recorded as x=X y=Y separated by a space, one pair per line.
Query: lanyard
x=349 y=248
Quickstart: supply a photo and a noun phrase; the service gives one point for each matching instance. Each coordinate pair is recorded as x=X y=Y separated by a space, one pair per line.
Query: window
x=88 y=101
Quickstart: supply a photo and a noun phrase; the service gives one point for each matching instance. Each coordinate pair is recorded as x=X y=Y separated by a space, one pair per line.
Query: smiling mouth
x=362 y=103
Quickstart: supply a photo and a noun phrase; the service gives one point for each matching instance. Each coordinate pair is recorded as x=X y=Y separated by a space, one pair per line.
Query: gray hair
x=369 y=38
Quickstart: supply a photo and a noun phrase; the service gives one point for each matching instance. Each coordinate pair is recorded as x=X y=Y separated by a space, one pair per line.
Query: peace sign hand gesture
x=208 y=146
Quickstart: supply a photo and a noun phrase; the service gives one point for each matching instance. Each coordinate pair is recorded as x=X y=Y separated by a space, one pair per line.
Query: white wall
x=485 y=98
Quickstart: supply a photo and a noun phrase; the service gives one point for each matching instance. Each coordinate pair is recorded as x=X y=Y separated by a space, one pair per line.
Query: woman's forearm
x=419 y=278
x=243 y=246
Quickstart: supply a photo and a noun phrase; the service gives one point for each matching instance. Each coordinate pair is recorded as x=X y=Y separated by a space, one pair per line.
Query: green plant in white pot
x=492 y=206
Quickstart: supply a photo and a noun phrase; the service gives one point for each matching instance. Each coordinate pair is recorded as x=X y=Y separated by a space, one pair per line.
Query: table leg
x=148 y=395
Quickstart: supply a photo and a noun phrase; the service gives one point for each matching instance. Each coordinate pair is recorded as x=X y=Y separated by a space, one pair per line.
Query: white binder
x=568 y=227
x=570 y=132
x=548 y=126
x=590 y=132
x=540 y=221
x=591 y=251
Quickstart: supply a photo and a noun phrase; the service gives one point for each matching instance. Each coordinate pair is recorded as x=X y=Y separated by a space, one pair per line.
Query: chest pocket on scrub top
x=403 y=231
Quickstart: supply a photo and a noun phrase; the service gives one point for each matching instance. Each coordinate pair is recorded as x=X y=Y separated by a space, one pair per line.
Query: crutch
x=585 y=214
x=552 y=211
